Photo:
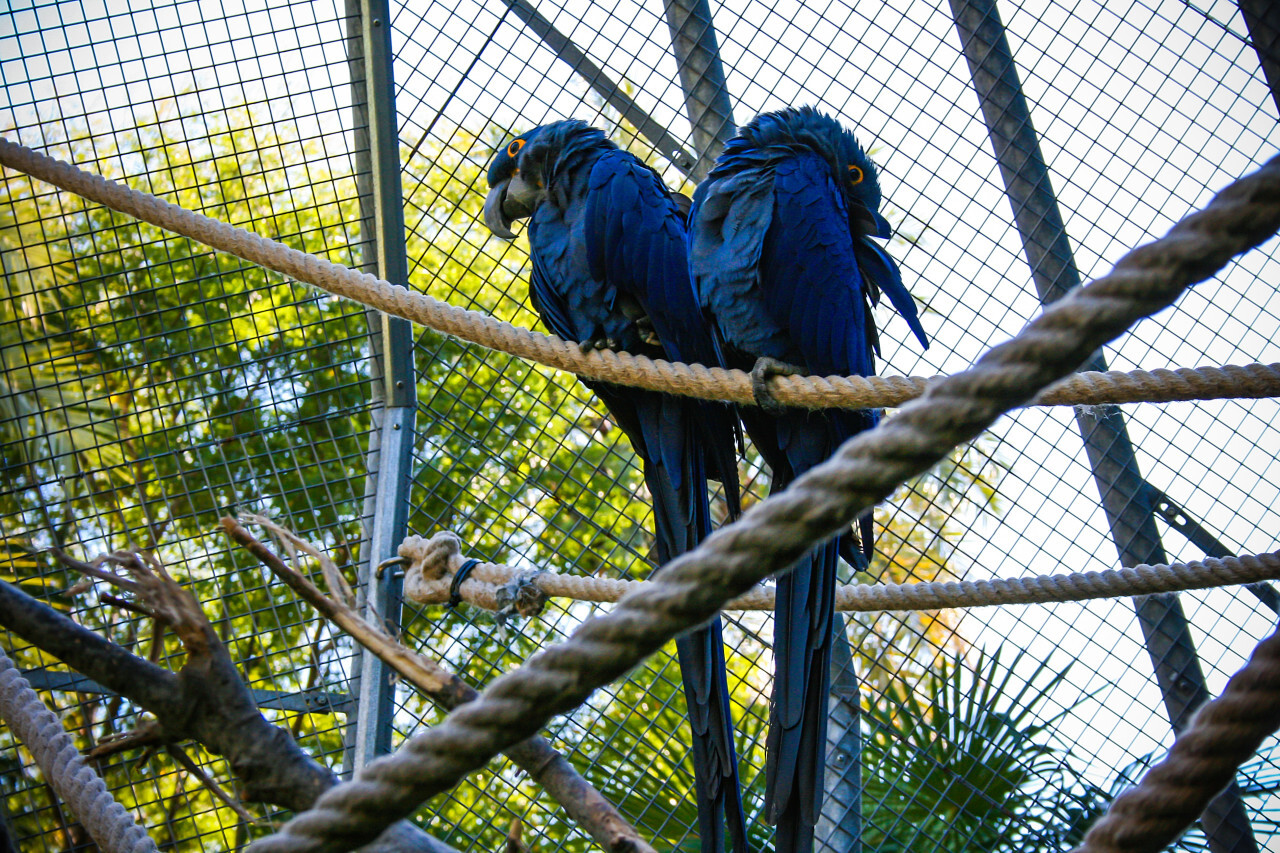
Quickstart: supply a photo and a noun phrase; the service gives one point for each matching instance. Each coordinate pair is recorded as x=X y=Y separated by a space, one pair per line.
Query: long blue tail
x=798 y=729
x=675 y=472
x=795 y=760
x=715 y=761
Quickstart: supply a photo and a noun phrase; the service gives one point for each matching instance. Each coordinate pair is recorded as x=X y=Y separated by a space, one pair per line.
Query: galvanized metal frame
x=391 y=366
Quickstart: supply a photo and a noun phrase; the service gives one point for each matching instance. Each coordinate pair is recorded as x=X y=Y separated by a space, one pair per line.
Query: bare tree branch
x=550 y=769
x=205 y=701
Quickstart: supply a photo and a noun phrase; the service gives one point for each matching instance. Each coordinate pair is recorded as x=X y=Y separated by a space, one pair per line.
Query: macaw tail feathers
x=715 y=760
x=798 y=731
x=682 y=518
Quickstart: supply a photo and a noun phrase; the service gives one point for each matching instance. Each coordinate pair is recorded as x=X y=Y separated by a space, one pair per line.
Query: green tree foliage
x=149 y=385
x=920 y=528
x=961 y=760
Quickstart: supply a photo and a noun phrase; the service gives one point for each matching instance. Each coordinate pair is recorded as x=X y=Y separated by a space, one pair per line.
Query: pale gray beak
x=508 y=201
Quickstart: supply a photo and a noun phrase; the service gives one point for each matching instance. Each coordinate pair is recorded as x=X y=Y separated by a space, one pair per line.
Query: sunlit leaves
x=961 y=760
x=149 y=384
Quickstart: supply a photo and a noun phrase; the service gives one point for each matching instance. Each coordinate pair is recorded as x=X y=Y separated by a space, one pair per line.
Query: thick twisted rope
x=433 y=562
x=1202 y=761
x=773 y=534
x=64 y=768
x=695 y=380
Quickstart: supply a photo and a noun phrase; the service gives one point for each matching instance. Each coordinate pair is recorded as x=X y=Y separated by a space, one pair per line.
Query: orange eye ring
x=855 y=175
x=514 y=148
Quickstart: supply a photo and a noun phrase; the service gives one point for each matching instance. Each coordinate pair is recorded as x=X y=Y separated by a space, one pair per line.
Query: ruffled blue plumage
x=784 y=258
x=610 y=263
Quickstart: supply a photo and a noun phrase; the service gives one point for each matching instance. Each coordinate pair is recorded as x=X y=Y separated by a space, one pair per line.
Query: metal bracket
x=1180 y=520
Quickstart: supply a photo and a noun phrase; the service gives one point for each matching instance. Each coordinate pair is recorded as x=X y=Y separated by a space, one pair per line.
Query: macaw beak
x=869 y=222
x=883 y=229
x=508 y=201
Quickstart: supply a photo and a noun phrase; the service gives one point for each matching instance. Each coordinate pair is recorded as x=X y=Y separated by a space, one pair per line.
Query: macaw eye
x=855 y=175
x=514 y=148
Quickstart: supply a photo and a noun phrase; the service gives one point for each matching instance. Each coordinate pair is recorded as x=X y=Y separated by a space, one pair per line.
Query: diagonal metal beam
x=1124 y=495
x=706 y=94
x=569 y=53
x=1262 y=17
x=1196 y=533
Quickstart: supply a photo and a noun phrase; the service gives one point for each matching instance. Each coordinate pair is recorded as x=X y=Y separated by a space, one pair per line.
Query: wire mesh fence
x=151 y=385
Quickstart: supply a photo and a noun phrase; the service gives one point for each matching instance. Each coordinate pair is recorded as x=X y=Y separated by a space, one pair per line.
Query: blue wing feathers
x=809 y=272
x=607 y=244
x=782 y=261
x=547 y=257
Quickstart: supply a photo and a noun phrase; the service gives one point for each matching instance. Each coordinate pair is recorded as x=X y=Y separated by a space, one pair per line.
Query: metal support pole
x=386 y=505
x=1125 y=499
x=706 y=95
x=839 y=827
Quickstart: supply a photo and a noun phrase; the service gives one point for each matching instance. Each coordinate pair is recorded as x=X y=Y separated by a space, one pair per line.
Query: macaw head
x=851 y=168
x=516 y=183
x=527 y=170
x=860 y=181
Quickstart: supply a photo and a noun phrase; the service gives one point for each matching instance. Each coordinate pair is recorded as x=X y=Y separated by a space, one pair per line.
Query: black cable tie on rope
x=455 y=588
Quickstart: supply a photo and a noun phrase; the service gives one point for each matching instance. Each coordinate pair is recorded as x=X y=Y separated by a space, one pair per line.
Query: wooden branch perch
x=205 y=701
x=535 y=756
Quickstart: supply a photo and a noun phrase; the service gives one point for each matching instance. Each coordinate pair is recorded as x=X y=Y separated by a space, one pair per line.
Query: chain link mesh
x=150 y=385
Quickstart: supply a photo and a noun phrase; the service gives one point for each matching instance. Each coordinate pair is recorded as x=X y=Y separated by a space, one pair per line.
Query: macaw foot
x=598 y=343
x=644 y=328
x=766 y=368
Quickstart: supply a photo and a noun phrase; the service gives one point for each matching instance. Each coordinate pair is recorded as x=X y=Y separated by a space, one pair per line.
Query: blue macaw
x=783 y=259
x=610 y=268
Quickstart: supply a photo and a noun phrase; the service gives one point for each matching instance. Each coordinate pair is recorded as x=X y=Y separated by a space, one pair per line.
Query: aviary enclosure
x=151 y=385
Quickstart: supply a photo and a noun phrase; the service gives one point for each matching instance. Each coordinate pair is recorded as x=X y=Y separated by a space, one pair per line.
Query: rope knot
x=432 y=557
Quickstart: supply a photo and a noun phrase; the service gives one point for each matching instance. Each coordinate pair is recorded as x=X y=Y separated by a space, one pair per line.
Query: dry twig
x=580 y=799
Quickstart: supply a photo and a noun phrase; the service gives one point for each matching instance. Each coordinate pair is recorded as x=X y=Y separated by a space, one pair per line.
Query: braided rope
x=775 y=533
x=1202 y=761
x=64 y=768
x=1205 y=383
x=432 y=562
x=814 y=507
